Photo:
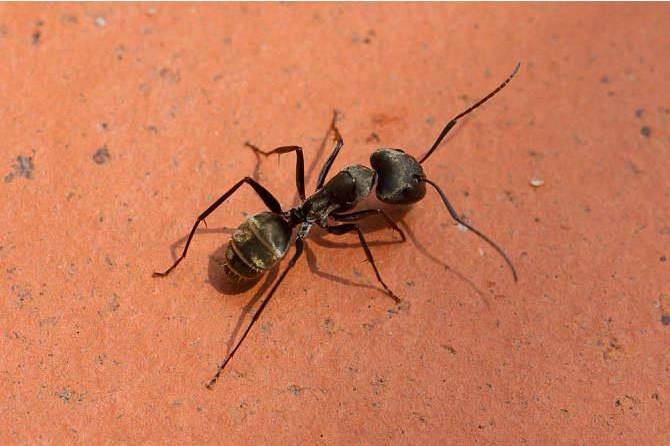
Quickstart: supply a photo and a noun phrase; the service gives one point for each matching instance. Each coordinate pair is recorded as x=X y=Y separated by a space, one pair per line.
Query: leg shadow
x=314 y=268
x=269 y=280
x=422 y=249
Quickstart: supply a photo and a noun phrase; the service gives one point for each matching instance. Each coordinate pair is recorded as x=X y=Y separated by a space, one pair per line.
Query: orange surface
x=120 y=123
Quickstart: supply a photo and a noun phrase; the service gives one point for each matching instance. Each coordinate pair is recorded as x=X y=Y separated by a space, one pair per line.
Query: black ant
x=263 y=239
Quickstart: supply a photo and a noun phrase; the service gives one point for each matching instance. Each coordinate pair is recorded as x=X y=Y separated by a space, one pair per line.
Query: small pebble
x=537 y=182
x=100 y=21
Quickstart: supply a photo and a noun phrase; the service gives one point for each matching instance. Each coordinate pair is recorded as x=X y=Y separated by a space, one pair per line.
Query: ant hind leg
x=269 y=200
x=299 y=245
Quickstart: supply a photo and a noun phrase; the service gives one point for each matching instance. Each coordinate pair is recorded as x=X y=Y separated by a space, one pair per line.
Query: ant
x=263 y=239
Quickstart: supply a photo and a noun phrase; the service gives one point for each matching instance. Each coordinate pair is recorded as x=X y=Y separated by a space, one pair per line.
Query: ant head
x=398 y=175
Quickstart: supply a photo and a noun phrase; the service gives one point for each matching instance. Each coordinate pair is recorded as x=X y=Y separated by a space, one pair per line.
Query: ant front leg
x=348 y=227
x=359 y=215
x=299 y=164
x=269 y=200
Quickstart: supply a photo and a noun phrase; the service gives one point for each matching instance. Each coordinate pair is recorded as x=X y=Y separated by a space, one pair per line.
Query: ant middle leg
x=339 y=142
x=269 y=200
x=299 y=164
x=359 y=215
x=349 y=227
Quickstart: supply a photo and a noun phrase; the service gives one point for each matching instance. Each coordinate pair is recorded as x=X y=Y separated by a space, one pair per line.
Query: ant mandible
x=263 y=239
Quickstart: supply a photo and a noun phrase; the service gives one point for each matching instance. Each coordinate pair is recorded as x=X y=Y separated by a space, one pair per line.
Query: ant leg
x=299 y=165
x=452 y=123
x=455 y=216
x=359 y=215
x=269 y=200
x=348 y=227
x=298 y=252
x=333 y=155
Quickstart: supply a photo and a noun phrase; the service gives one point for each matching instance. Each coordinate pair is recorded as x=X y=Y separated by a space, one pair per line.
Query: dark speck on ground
x=101 y=155
x=68 y=19
x=372 y=138
x=65 y=395
x=23 y=168
x=646 y=131
x=295 y=390
x=36 y=37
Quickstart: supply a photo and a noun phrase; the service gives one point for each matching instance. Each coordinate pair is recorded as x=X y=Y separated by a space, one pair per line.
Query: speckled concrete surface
x=119 y=123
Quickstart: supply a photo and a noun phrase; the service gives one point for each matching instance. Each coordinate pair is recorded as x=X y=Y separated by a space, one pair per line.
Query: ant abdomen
x=398 y=176
x=257 y=245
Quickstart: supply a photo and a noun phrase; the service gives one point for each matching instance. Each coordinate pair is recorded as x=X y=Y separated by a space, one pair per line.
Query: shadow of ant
x=417 y=244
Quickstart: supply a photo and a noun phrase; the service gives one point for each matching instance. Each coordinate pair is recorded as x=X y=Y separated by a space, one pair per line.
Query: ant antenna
x=453 y=121
x=455 y=216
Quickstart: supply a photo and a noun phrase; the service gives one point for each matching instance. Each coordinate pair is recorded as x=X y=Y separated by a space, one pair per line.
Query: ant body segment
x=263 y=239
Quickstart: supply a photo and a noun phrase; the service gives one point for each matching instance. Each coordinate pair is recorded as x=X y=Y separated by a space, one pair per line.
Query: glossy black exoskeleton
x=263 y=239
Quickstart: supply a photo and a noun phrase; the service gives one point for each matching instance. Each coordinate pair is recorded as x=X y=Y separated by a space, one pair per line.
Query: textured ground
x=120 y=123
